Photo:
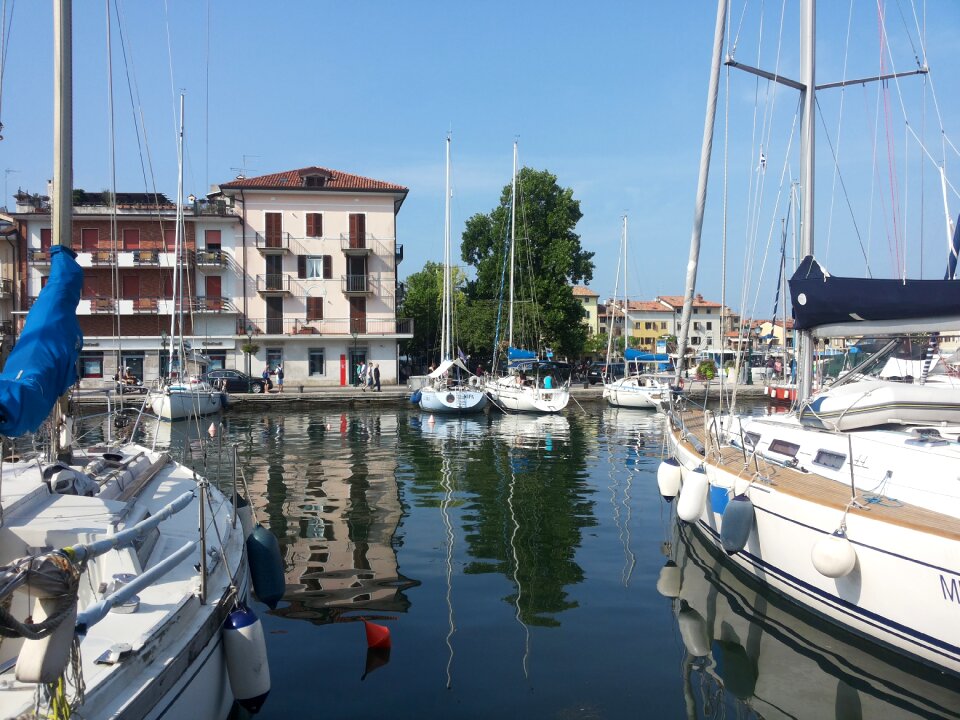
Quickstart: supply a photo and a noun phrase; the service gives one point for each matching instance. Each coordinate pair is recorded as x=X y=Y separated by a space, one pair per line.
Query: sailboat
x=858 y=523
x=640 y=386
x=189 y=394
x=123 y=575
x=529 y=383
x=445 y=392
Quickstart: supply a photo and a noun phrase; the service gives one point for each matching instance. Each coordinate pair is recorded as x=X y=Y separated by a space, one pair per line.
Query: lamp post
x=353 y=359
x=249 y=345
x=163 y=352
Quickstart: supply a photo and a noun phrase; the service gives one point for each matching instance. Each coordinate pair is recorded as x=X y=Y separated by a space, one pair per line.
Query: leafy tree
x=549 y=261
x=424 y=303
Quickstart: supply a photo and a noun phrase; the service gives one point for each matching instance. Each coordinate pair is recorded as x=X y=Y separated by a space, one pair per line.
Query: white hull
x=452 y=400
x=180 y=402
x=175 y=666
x=869 y=403
x=904 y=590
x=506 y=394
x=636 y=392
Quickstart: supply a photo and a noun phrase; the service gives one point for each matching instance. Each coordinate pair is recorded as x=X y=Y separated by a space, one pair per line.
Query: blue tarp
x=43 y=364
x=518 y=354
x=640 y=356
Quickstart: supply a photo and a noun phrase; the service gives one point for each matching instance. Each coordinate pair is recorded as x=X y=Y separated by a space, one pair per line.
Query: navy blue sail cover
x=822 y=299
x=43 y=364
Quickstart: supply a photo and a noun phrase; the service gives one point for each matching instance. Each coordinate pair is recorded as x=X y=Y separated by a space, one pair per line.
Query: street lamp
x=163 y=353
x=249 y=345
x=353 y=360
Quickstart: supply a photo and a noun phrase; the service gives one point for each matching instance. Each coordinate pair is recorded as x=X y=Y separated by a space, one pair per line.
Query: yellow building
x=589 y=299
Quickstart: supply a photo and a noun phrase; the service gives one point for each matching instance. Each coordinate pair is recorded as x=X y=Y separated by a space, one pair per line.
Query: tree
x=424 y=303
x=549 y=261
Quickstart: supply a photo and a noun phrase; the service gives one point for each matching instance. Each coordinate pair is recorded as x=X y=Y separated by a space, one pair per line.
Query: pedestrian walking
x=280 y=376
x=376 y=377
x=370 y=376
x=267 y=382
x=362 y=376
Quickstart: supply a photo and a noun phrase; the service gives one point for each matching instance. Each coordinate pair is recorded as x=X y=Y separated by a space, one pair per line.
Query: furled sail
x=43 y=364
x=856 y=306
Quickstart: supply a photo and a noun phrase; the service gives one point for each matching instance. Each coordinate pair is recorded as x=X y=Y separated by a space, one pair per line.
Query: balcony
x=356 y=244
x=146 y=258
x=398 y=255
x=38 y=257
x=210 y=259
x=97 y=306
x=102 y=258
x=212 y=304
x=277 y=244
x=273 y=285
x=330 y=327
x=359 y=284
x=6 y=289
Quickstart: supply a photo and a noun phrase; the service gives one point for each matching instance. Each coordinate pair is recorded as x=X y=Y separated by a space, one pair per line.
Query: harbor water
x=526 y=567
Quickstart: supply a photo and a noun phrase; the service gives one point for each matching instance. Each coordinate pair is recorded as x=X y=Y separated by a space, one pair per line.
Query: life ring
x=475 y=381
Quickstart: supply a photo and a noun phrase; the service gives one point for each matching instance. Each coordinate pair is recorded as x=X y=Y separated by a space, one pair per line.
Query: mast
x=446 y=328
x=705 y=151
x=808 y=15
x=626 y=301
x=176 y=339
x=513 y=242
x=62 y=212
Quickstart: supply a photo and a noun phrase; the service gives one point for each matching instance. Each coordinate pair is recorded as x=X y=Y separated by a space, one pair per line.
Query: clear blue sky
x=609 y=96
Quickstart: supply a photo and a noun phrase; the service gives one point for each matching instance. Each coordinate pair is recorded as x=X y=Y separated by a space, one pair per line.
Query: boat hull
x=521 y=398
x=452 y=400
x=183 y=402
x=869 y=403
x=635 y=392
x=869 y=600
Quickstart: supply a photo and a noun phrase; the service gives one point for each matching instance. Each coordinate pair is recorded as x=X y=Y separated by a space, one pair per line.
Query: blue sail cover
x=635 y=355
x=821 y=299
x=518 y=354
x=43 y=364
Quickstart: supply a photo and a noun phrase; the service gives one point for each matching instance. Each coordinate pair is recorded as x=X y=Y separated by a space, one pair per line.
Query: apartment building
x=590 y=300
x=706 y=321
x=319 y=254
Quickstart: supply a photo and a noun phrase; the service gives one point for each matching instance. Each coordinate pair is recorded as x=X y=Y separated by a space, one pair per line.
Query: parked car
x=599 y=372
x=235 y=381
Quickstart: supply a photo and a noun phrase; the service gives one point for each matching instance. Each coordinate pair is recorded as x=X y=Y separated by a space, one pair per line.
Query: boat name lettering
x=950 y=589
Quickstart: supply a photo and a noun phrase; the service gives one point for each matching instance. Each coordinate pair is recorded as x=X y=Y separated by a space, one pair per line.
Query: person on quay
x=280 y=377
x=376 y=377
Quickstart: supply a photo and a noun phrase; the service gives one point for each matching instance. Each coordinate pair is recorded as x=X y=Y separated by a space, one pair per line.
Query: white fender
x=834 y=555
x=668 y=478
x=43 y=661
x=668 y=583
x=693 y=631
x=246 y=652
x=693 y=496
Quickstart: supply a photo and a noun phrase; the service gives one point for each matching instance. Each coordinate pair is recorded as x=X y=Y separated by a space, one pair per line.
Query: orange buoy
x=378 y=636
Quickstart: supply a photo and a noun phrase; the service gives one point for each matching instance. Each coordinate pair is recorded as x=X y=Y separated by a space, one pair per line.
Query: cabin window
x=316 y=362
x=828 y=459
x=750 y=440
x=782 y=447
x=91 y=364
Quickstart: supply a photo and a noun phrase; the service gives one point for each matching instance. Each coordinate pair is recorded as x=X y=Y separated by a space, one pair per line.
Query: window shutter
x=314 y=308
x=301 y=266
x=327 y=267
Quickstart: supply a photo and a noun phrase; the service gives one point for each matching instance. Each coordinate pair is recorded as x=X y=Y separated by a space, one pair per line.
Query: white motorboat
x=183 y=400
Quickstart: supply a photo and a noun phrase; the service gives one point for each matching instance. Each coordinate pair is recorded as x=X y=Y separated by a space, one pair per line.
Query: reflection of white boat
x=770 y=657
x=448 y=390
x=532 y=429
x=450 y=427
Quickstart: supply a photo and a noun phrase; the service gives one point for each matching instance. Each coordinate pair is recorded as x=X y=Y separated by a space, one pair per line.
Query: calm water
x=526 y=567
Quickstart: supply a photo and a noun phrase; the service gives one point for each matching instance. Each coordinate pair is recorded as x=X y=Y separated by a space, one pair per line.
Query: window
x=45 y=235
x=782 y=447
x=212 y=239
x=217 y=360
x=170 y=238
x=131 y=239
x=89 y=239
x=314 y=308
x=314 y=225
x=709 y=326
x=274 y=357
x=91 y=364
x=134 y=361
x=315 y=267
x=663 y=325
x=315 y=362
x=828 y=459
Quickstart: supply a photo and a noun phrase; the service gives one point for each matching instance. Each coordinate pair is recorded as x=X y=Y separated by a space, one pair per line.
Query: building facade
x=589 y=299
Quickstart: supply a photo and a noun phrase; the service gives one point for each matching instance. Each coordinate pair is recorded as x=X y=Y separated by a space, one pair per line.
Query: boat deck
x=813 y=487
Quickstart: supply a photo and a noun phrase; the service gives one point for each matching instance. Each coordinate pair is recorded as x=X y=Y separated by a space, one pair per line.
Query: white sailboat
x=859 y=525
x=189 y=395
x=529 y=384
x=123 y=576
x=641 y=386
x=452 y=388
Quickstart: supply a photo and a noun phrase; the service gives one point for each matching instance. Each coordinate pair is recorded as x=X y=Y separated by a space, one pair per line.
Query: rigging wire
x=6 y=26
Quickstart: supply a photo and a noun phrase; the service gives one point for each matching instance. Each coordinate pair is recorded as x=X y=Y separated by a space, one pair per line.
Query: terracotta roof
x=581 y=291
x=677 y=301
x=312 y=178
x=647 y=306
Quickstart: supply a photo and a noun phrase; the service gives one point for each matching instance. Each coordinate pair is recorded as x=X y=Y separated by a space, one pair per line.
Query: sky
x=608 y=96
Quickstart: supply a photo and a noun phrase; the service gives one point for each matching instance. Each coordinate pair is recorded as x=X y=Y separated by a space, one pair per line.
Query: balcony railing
x=36 y=256
x=102 y=257
x=212 y=304
x=210 y=258
x=146 y=258
x=102 y=306
x=358 y=284
x=146 y=305
x=365 y=244
x=272 y=244
x=332 y=327
x=275 y=284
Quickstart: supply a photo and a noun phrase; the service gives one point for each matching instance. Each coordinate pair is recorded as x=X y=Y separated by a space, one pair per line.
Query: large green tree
x=548 y=262
x=424 y=303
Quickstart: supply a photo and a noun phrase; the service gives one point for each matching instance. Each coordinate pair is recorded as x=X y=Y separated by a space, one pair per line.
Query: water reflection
x=753 y=652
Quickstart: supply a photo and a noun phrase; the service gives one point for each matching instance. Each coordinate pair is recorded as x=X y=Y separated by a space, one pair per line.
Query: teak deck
x=815 y=488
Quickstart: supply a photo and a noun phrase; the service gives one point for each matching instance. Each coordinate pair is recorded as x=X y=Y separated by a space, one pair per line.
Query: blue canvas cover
x=518 y=354
x=633 y=354
x=43 y=364
x=822 y=299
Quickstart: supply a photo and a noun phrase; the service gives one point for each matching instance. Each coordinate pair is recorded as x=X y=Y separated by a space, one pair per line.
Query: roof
x=647 y=306
x=312 y=178
x=581 y=291
x=676 y=301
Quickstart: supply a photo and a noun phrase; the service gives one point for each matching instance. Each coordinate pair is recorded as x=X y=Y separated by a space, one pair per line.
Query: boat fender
x=44 y=660
x=668 y=582
x=415 y=398
x=693 y=495
x=224 y=400
x=247 y=665
x=736 y=524
x=668 y=479
x=245 y=514
x=266 y=566
x=737 y=669
x=693 y=631
x=833 y=555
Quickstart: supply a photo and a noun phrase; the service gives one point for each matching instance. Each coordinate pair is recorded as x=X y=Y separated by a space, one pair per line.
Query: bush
x=707 y=370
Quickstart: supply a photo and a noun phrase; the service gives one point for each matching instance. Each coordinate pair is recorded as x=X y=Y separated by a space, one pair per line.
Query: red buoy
x=378 y=636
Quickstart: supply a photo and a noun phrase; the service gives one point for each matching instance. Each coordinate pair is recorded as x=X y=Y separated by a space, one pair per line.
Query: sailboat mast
x=626 y=301
x=705 y=150
x=446 y=339
x=175 y=337
x=513 y=238
x=808 y=14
